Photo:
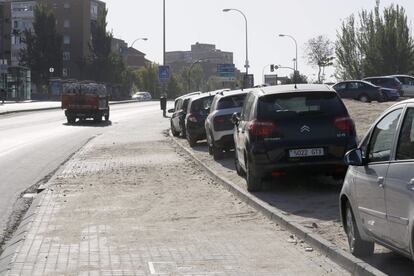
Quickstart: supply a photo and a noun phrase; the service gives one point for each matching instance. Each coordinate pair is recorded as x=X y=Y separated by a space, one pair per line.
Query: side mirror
x=171 y=110
x=354 y=158
x=235 y=119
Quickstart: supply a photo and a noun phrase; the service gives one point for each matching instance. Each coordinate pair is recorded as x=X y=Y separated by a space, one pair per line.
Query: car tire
x=239 y=169
x=254 y=183
x=364 y=98
x=357 y=246
x=107 y=117
x=174 y=132
x=209 y=144
x=71 y=120
x=191 y=141
x=217 y=152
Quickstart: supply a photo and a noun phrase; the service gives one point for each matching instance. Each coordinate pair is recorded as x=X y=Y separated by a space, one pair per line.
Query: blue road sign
x=226 y=70
x=164 y=73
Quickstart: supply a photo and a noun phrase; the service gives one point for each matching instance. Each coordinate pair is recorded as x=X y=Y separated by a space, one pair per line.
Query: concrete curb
x=352 y=264
x=55 y=108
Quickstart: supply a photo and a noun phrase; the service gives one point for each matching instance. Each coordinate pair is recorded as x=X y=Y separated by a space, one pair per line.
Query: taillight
x=192 y=118
x=345 y=124
x=261 y=129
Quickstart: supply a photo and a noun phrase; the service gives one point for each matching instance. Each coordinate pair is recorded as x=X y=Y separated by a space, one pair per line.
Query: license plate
x=306 y=152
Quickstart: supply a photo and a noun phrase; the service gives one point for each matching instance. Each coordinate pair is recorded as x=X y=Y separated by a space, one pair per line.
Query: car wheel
x=210 y=147
x=191 y=141
x=173 y=131
x=217 y=152
x=357 y=246
x=254 y=183
x=364 y=98
x=239 y=169
x=71 y=119
x=107 y=117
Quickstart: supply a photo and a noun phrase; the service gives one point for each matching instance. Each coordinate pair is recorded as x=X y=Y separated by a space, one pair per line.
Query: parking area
x=313 y=201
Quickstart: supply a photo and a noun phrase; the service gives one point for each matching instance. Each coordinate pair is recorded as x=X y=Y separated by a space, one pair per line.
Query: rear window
x=231 y=102
x=201 y=104
x=300 y=104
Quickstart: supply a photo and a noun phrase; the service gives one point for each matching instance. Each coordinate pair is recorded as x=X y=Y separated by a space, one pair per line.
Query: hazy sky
x=190 y=21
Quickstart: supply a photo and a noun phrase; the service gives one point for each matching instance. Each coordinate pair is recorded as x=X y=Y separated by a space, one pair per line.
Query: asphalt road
x=33 y=145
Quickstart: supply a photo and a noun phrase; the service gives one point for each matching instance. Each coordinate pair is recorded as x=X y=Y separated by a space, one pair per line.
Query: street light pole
x=247 y=41
x=141 y=38
x=296 y=46
x=163 y=58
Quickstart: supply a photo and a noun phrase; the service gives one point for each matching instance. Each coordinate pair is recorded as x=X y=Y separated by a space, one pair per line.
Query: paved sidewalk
x=129 y=204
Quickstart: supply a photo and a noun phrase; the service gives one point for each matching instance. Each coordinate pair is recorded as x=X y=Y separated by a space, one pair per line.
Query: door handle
x=380 y=182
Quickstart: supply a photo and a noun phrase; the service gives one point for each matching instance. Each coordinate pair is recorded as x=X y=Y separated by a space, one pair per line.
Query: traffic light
x=272 y=67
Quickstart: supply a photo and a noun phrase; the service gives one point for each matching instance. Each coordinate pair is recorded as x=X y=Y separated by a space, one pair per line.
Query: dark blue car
x=365 y=91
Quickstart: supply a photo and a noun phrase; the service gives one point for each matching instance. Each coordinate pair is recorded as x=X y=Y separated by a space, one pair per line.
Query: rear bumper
x=265 y=162
x=328 y=167
x=225 y=142
x=196 y=131
x=90 y=113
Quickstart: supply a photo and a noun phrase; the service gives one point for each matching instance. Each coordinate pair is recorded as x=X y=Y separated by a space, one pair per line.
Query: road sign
x=226 y=70
x=164 y=73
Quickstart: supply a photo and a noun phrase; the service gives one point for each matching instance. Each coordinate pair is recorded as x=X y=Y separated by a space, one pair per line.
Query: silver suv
x=219 y=127
x=377 y=198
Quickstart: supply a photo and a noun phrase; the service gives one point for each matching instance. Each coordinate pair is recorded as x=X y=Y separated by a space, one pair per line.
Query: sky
x=191 y=21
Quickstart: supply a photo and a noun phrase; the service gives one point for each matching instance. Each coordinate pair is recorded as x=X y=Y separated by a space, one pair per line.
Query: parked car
x=284 y=129
x=377 y=197
x=178 y=114
x=364 y=91
x=197 y=112
x=142 y=96
x=386 y=82
x=407 y=84
x=219 y=127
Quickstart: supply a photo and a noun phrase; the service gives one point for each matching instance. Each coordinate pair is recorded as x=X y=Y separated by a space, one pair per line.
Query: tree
x=319 y=51
x=297 y=78
x=376 y=45
x=196 y=81
x=348 y=53
x=43 y=48
x=174 y=87
x=147 y=80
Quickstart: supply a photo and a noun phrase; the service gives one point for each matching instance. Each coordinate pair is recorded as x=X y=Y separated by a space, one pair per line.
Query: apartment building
x=133 y=59
x=207 y=53
x=74 y=19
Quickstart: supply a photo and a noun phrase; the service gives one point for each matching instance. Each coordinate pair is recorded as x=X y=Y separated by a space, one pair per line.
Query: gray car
x=377 y=198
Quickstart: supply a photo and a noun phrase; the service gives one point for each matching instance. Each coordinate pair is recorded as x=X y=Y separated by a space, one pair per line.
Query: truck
x=85 y=100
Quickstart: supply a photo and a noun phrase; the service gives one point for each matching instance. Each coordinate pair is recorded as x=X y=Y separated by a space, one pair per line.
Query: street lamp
x=296 y=45
x=141 y=38
x=247 y=44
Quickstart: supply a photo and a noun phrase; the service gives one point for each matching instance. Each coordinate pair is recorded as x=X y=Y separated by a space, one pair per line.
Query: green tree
x=196 y=81
x=297 y=78
x=379 y=44
x=174 y=87
x=43 y=46
x=319 y=51
x=147 y=80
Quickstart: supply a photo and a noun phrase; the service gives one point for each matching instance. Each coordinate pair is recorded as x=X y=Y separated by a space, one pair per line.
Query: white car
x=407 y=84
x=142 y=96
x=219 y=127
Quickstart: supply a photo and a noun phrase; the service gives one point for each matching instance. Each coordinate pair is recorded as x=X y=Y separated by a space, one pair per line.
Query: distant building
x=75 y=22
x=207 y=53
x=132 y=58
